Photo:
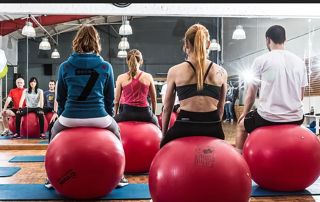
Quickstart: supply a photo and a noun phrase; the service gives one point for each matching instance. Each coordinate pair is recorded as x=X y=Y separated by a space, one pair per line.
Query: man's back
x=281 y=75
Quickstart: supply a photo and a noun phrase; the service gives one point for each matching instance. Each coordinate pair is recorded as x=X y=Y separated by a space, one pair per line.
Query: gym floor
x=34 y=173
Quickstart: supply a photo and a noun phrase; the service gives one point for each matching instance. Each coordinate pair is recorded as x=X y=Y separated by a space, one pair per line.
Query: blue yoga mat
x=314 y=189
x=36 y=158
x=8 y=171
x=39 y=192
x=43 y=142
x=5 y=137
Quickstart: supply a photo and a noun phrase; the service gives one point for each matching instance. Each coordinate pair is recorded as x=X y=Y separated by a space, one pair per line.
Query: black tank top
x=190 y=90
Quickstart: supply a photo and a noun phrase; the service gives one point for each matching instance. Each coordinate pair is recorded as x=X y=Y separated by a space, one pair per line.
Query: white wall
x=239 y=54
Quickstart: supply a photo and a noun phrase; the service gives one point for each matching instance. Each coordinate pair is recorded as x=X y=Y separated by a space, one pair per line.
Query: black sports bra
x=190 y=90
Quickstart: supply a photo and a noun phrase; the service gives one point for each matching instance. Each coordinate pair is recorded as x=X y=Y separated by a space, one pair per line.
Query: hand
x=54 y=117
x=178 y=110
x=19 y=111
x=241 y=117
x=4 y=112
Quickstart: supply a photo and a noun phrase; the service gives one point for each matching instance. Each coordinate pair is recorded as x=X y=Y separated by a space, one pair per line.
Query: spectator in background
x=49 y=97
x=14 y=96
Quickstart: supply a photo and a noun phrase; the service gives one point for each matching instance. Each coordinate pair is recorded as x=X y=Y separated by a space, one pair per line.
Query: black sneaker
x=123 y=182
x=47 y=184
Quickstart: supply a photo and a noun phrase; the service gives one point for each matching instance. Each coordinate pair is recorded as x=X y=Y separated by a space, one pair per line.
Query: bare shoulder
x=174 y=70
x=221 y=71
x=121 y=77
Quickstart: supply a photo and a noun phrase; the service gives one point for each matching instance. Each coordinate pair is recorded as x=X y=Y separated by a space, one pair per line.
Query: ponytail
x=200 y=56
x=134 y=59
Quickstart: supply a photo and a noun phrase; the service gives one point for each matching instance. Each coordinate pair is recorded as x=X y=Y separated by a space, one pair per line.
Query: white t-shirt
x=280 y=76
x=163 y=93
x=33 y=98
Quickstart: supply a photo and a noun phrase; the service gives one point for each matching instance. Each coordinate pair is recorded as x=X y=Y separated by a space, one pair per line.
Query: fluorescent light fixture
x=124 y=44
x=28 y=30
x=55 y=54
x=239 y=33
x=45 y=45
x=122 y=54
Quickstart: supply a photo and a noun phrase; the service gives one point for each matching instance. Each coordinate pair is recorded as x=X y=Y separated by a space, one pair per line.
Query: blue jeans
x=228 y=110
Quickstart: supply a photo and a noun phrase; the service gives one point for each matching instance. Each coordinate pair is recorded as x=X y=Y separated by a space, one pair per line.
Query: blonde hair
x=86 y=40
x=134 y=58
x=197 y=37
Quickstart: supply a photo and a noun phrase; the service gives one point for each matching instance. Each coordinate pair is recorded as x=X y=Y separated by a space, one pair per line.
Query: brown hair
x=134 y=58
x=197 y=37
x=86 y=40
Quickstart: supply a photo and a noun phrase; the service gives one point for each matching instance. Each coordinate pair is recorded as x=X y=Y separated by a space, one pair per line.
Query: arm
x=109 y=92
x=61 y=92
x=23 y=97
x=41 y=100
x=153 y=95
x=117 y=95
x=169 y=101
x=55 y=109
x=223 y=93
x=249 y=100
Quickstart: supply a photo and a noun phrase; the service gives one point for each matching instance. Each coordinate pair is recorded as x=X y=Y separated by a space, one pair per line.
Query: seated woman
x=85 y=88
x=134 y=88
x=201 y=87
x=34 y=103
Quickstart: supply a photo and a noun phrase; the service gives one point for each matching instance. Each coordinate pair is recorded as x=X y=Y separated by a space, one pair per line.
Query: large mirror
x=160 y=41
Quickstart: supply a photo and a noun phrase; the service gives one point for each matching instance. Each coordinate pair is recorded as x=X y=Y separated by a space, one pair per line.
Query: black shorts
x=13 y=110
x=253 y=120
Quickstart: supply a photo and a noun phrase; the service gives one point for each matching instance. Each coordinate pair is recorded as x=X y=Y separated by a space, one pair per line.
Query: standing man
x=49 y=97
x=14 y=96
x=281 y=77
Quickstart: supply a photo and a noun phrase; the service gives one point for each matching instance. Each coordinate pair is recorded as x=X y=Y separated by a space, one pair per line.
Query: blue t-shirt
x=74 y=78
x=48 y=99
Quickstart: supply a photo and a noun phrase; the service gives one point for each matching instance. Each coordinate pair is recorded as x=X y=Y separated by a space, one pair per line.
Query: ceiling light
x=28 y=30
x=239 y=33
x=122 y=54
x=45 y=45
x=124 y=44
x=214 y=45
x=125 y=28
x=55 y=54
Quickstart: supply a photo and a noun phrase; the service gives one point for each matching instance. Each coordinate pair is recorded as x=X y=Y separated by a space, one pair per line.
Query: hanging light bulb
x=45 y=45
x=214 y=45
x=28 y=30
x=124 y=44
x=125 y=28
x=55 y=54
x=239 y=33
x=122 y=54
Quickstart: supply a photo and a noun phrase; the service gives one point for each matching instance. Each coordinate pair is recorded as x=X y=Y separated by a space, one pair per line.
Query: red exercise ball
x=173 y=118
x=199 y=168
x=85 y=163
x=283 y=157
x=141 y=142
x=48 y=116
x=29 y=125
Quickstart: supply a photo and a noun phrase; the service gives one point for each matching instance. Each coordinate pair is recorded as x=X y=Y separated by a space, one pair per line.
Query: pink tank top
x=135 y=93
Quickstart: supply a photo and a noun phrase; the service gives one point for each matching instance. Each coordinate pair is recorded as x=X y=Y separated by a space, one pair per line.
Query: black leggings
x=132 y=113
x=39 y=113
x=194 y=124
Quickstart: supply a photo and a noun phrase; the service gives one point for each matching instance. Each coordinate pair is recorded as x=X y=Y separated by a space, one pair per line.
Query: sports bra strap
x=139 y=75
x=194 y=69
x=207 y=72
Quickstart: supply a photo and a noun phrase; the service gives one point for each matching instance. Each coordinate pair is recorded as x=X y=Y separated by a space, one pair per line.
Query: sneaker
x=16 y=136
x=123 y=182
x=47 y=184
x=6 y=132
x=43 y=136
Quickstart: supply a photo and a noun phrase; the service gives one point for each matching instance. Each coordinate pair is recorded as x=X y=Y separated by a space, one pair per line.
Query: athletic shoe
x=123 y=182
x=43 y=136
x=47 y=184
x=16 y=136
x=6 y=132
